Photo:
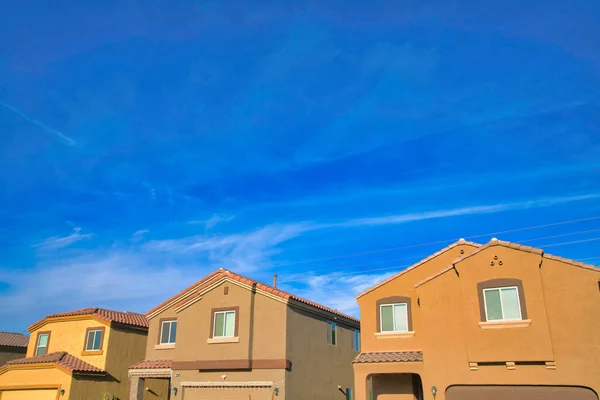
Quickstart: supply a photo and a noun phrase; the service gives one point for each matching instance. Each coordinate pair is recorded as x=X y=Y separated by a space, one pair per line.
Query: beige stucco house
x=470 y=322
x=230 y=337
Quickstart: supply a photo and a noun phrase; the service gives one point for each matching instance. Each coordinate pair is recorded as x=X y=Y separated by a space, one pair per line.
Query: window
x=502 y=304
x=394 y=317
x=168 y=332
x=224 y=324
x=356 y=340
x=41 y=346
x=349 y=394
x=93 y=339
x=331 y=333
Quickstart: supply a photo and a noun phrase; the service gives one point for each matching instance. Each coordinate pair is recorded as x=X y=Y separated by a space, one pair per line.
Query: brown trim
x=499 y=283
x=32 y=387
x=94 y=351
x=394 y=300
x=212 y=319
x=160 y=324
x=37 y=341
x=230 y=365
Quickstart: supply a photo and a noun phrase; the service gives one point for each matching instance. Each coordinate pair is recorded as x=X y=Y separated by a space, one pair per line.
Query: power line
x=562 y=235
x=576 y=241
x=435 y=242
x=588 y=258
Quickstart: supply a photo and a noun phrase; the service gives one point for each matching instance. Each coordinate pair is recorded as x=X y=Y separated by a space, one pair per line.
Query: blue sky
x=144 y=144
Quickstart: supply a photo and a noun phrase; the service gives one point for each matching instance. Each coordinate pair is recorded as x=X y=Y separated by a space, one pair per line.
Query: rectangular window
x=502 y=304
x=394 y=317
x=224 y=324
x=331 y=333
x=94 y=340
x=41 y=346
x=356 y=340
x=349 y=394
x=168 y=332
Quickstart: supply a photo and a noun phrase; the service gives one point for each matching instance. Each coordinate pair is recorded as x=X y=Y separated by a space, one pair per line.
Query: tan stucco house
x=228 y=337
x=12 y=345
x=470 y=322
x=77 y=355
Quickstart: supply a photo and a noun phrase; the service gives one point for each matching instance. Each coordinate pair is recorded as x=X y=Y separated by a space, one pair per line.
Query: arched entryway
x=395 y=387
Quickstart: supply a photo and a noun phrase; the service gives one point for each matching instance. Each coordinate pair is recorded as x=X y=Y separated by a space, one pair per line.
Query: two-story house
x=77 y=355
x=470 y=322
x=12 y=345
x=230 y=337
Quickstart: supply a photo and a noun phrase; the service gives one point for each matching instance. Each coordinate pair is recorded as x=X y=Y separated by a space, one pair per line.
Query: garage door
x=519 y=393
x=227 y=394
x=38 y=394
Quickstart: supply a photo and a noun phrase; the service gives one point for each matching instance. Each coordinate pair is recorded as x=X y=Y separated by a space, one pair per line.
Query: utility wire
x=435 y=242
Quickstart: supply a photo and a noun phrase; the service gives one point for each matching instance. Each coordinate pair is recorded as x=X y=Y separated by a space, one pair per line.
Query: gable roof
x=13 y=339
x=511 y=245
x=192 y=291
x=61 y=359
x=109 y=316
x=423 y=261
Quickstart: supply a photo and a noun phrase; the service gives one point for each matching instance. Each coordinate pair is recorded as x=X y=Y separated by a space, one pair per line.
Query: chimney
x=275 y=280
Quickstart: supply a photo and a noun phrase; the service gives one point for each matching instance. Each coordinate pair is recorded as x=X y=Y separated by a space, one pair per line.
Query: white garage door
x=194 y=393
x=32 y=394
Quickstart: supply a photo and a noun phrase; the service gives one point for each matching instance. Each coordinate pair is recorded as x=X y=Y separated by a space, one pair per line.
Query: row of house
x=470 y=322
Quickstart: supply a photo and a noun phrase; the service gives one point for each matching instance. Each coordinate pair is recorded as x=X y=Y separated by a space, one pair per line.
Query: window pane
x=90 y=340
x=164 y=336
x=387 y=318
x=41 y=351
x=230 y=323
x=510 y=304
x=400 y=318
x=493 y=305
x=329 y=339
x=173 y=334
x=43 y=340
x=333 y=334
x=219 y=324
x=98 y=340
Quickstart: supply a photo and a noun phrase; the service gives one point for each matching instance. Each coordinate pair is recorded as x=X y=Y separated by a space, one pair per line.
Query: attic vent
x=226 y=290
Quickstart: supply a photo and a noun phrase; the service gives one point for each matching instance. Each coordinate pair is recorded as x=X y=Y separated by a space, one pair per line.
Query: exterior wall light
x=433 y=391
x=174 y=391
x=62 y=392
x=276 y=391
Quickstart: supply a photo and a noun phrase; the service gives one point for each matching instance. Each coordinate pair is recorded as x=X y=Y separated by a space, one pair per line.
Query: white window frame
x=37 y=345
x=393 y=317
x=224 y=323
x=94 y=340
x=162 y=327
x=501 y=304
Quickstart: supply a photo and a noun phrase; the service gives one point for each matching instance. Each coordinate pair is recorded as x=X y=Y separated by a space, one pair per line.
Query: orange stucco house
x=494 y=321
x=77 y=355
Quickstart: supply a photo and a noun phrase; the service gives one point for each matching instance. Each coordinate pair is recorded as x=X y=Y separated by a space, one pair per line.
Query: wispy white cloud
x=213 y=221
x=64 y=138
x=335 y=290
x=241 y=251
x=455 y=212
x=59 y=242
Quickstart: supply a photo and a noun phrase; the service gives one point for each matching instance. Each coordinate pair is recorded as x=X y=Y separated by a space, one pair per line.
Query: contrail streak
x=67 y=140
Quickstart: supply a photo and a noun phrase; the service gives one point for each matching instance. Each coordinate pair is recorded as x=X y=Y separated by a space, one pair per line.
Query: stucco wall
x=261 y=330
x=156 y=389
x=70 y=336
x=8 y=353
x=560 y=298
x=317 y=367
x=402 y=286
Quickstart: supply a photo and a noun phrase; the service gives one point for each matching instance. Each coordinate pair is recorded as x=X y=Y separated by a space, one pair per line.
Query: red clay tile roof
x=13 y=339
x=206 y=281
x=423 y=261
x=572 y=262
x=152 y=364
x=126 y=318
x=389 y=356
x=62 y=359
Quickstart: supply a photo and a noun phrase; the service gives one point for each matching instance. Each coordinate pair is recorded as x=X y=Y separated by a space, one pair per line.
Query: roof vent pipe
x=275 y=280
